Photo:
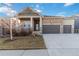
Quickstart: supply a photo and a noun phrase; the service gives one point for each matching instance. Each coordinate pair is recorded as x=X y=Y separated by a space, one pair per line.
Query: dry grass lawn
x=24 y=42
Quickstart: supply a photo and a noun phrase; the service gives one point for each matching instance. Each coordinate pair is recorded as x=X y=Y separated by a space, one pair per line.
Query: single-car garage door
x=50 y=29
x=67 y=28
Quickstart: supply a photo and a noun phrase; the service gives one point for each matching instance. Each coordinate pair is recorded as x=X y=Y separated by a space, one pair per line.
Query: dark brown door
x=36 y=24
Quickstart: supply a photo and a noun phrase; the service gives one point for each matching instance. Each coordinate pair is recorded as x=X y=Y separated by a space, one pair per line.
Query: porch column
x=61 y=28
x=41 y=25
x=31 y=23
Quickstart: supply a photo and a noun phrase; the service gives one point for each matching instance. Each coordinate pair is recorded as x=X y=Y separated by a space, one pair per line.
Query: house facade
x=45 y=24
x=34 y=21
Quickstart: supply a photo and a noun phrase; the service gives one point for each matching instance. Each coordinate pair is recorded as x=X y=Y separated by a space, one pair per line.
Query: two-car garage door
x=50 y=29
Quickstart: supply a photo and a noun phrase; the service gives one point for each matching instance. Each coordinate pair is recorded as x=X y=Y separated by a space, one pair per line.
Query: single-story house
x=45 y=24
x=29 y=18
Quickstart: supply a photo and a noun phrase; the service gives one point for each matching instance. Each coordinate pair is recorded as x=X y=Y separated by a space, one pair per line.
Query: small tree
x=11 y=36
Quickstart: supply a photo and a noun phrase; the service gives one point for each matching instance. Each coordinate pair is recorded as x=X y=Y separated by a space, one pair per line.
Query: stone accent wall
x=52 y=20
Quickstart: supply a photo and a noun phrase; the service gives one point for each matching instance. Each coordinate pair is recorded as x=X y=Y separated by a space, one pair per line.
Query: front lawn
x=24 y=42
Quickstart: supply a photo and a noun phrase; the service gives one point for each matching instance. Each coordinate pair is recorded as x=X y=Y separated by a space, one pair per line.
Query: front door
x=36 y=24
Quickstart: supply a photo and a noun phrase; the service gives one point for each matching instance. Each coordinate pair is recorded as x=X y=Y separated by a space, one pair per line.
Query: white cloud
x=7 y=10
x=68 y=4
x=37 y=6
x=39 y=11
x=61 y=14
x=8 y=4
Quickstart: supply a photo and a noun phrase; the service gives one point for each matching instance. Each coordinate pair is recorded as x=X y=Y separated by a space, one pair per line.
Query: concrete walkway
x=62 y=44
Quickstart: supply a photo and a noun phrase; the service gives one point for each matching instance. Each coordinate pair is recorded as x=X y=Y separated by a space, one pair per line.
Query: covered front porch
x=33 y=23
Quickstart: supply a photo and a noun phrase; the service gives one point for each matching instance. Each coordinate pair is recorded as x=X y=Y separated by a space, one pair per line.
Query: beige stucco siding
x=52 y=21
x=68 y=22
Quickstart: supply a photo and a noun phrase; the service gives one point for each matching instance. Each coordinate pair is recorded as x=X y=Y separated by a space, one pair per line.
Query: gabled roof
x=28 y=12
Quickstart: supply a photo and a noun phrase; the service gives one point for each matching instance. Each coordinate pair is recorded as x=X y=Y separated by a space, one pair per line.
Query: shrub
x=23 y=32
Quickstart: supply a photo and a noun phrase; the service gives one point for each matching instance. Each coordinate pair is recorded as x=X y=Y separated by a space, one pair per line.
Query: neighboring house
x=0 y=28
x=76 y=25
x=29 y=19
x=4 y=25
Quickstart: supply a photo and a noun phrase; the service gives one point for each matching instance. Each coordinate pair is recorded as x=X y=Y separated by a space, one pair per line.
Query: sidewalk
x=41 y=52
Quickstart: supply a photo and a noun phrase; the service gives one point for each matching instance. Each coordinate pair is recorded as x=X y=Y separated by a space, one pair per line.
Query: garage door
x=67 y=28
x=50 y=29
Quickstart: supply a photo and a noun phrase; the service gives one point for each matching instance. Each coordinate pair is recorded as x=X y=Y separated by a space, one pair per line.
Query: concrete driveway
x=62 y=44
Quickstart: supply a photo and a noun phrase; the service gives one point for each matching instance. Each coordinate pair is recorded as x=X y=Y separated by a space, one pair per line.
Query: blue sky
x=51 y=9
